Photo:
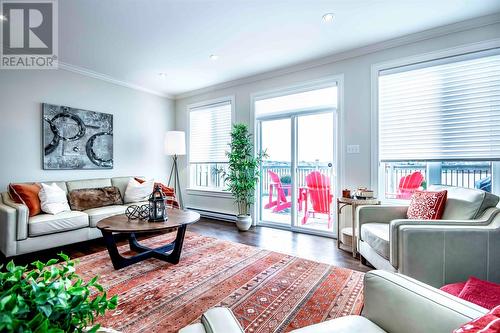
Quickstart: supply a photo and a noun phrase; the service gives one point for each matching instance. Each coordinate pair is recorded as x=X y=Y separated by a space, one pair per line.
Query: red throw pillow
x=168 y=192
x=489 y=323
x=427 y=205
x=453 y=288
x=482 y=293
x=27 y=194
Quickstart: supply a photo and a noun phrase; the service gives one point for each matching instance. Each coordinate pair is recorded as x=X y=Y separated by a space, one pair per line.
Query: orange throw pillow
x=27 y=194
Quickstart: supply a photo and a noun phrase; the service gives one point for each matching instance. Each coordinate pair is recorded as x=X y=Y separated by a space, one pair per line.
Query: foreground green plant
x=243 y=168
x=50 y=298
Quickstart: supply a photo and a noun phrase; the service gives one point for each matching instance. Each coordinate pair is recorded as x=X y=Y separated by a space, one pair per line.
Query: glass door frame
x=293 y=116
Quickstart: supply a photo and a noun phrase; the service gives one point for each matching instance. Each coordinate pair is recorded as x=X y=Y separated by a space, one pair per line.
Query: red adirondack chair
x=409 y=184
x=281 y=202
x=320 y=194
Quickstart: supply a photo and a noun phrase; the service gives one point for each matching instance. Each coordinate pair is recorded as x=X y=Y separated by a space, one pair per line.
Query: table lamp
x=175 y=145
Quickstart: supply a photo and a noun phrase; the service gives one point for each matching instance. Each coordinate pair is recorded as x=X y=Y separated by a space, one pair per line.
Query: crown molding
x=109 y=79
x=391 y=43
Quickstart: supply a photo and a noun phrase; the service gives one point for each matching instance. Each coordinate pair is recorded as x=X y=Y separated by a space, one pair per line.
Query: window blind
x=448 y=109
x=307 y=100
x=209 y=133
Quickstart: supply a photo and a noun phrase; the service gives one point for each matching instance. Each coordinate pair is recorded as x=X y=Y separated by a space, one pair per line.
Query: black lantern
x=157 y=207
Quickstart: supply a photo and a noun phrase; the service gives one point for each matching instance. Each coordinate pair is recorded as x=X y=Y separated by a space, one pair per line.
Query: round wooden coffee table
x=177 y=219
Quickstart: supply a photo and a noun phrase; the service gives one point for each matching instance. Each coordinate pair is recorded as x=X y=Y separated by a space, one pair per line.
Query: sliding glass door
x=298 y=183
x=315 y=176
x=276 y=171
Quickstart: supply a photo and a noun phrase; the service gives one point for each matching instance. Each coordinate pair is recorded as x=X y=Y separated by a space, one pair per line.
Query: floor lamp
x=175 y=145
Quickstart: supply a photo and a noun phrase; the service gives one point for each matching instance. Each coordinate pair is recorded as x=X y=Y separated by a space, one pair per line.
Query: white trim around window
x=323 y=82
x=196 y=190
x=377 y=68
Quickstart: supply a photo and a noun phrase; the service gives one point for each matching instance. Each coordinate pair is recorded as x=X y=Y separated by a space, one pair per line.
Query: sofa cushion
x=62 y=185
x=27 y=194
x=97 y=214
x=465 y=203
x=88 y=183
x=140 y=203
x=44 y=224
x=89 y=198
x=377 y=236
x=481 y=292
x=489 y=323
x=168 y=192
x=427 y=205
x=121 y=183
x=453 y=288
x=137 y=191
x=53 y=199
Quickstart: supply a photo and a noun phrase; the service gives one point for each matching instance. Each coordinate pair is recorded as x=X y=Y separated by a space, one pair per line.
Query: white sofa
x=20 y=234
x=465 y=242
x=394 y=303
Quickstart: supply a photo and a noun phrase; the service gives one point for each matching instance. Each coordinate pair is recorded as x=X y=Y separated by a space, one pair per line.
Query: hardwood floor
x=311 y=247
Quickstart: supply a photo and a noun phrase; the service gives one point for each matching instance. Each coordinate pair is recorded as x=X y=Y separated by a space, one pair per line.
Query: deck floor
x=318 y=223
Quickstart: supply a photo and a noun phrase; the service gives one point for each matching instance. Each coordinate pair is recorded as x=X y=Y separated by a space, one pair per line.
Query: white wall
x=140 y=121
x=357 y=100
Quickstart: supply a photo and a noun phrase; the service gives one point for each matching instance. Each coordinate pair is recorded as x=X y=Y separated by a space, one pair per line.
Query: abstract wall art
x=76 y=139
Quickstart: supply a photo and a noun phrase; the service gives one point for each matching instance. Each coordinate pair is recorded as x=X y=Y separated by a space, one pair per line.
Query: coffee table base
x=170 y=252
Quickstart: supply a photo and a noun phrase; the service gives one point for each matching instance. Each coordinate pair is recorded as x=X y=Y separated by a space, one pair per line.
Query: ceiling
x=132 y=41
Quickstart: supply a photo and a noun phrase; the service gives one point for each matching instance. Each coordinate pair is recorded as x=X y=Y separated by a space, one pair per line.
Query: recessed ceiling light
x=162 y=74
x=328 y=18
x=3 y=18
x=214 y=57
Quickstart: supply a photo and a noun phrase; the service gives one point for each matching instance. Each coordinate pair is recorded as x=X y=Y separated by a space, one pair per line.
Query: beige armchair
x=465 y=242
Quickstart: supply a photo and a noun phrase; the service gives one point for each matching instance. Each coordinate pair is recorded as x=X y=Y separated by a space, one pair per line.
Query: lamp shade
x=175 y=143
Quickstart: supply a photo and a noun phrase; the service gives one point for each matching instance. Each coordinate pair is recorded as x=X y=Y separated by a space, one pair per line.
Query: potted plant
x=242 y=173
x=286 y=180
x=50 y=298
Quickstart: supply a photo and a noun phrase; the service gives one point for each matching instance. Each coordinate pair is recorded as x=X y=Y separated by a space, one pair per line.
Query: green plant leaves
x=51 y=298
x=243 y=169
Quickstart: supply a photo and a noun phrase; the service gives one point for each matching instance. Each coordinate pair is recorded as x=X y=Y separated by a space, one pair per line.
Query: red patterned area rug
x=267 y=291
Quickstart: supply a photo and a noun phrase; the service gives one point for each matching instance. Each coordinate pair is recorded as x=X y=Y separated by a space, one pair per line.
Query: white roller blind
x=307 y=100
x=447 y=109
x=209 y=133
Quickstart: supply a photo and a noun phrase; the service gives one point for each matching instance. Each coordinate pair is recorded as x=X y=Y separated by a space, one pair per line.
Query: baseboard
x=214 y=215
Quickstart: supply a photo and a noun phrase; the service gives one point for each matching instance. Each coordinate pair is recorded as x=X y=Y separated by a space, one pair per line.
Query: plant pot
x=243 y=222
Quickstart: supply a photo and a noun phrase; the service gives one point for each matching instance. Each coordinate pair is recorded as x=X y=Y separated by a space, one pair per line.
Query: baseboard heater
x=214 y=215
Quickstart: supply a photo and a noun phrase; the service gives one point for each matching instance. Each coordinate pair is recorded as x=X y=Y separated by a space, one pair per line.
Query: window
x=209 y=136
x=439 y=123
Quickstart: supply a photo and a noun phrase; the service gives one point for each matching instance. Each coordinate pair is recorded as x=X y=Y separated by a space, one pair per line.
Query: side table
x=354 y=203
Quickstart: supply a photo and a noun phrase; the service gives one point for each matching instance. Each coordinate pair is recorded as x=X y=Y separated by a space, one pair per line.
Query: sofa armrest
x=440 y=254
x=397 y=303
x=379 y=214
x=7 y=230
x=396 y=251
x=22 y=216
x=215 y=320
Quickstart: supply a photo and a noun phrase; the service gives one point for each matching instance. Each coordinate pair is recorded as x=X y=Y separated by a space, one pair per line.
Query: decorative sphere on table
x=144 y=212
x=133 y=212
